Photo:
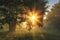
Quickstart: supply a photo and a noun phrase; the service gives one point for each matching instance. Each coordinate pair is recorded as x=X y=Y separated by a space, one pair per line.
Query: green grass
x=3 y=36
x=52 y=37
x=35 y=35
x=6 y=36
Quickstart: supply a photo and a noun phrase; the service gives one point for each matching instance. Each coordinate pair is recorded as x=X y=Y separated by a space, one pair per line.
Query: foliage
x=54 y=16
x=11 y=8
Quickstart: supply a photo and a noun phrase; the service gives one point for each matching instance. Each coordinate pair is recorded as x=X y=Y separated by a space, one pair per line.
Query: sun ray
x=34 y=16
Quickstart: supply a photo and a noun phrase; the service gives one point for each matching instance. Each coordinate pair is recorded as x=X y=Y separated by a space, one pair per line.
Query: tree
x=54 y=16
x=38 y=5
x=10 y=12
x=11 y=8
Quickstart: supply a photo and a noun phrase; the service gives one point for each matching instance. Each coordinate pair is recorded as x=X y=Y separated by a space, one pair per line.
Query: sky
x=51 y=3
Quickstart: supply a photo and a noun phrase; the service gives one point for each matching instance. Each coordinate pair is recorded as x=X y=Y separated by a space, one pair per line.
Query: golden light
x=44 y=18
x=33 y=16
x=24 y=24
x=46 y=13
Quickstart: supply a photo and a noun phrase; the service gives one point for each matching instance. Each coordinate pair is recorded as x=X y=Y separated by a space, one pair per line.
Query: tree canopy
x=11 y=8
x=54 y=16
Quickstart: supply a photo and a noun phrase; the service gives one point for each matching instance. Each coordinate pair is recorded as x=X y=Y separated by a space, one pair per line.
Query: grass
x=28 y=37
x=35 y=34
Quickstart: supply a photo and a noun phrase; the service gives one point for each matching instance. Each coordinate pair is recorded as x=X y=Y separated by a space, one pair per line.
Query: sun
x=33 y=16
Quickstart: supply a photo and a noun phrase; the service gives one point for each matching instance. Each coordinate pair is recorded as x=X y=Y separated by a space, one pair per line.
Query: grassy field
x=34 y=34
x=10 y=36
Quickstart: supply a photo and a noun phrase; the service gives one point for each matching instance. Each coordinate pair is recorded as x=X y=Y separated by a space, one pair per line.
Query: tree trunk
x=12 y=26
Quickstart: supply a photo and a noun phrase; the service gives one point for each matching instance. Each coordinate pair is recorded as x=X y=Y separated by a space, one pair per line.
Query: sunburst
x=33 y=16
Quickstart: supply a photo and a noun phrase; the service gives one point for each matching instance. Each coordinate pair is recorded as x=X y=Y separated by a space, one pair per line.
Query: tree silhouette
x=54 y=16
x=11 y=8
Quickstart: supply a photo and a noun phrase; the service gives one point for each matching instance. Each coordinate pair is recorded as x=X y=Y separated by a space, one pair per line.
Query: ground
x=36 y=33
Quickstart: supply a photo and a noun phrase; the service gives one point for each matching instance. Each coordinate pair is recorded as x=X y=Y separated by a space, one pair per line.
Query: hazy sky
x=51 y=3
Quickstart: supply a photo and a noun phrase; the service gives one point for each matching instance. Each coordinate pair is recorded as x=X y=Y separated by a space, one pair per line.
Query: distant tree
x=54 y=16
x=11 y=8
